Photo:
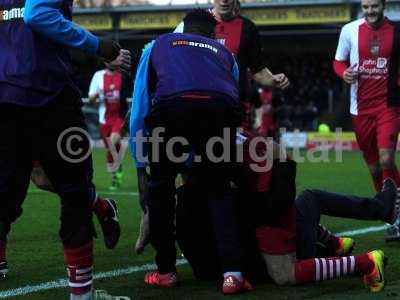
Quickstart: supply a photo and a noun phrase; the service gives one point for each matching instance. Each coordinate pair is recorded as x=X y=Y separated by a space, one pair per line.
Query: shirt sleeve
x=344 y=46
x=45 y=18
x=94 y=87
x=339 y=67
x=140 y=109
x=253 y=51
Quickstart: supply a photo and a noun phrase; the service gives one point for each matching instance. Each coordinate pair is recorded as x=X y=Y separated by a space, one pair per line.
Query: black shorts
x=31 y=133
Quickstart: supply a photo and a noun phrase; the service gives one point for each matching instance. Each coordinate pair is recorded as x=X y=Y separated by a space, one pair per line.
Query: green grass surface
x=35 y=253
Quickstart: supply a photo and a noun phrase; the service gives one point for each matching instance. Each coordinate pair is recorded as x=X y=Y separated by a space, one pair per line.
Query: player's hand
x=144 y=234
x=280 y=81
x=143 y=180
x=123 y=62
x=350 y=75
x=108 y=49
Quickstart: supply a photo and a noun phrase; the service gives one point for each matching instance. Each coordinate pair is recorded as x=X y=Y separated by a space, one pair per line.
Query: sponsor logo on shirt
x=381 y=63
x=12 y=14
x=374 y=68
x=194 y=44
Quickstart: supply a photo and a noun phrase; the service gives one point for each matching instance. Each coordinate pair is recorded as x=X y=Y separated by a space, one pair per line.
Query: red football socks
x=79 y=264
x=320 y=269
x=100 y=208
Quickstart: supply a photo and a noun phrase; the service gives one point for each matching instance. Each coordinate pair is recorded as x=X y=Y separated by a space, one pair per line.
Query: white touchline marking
x=62 y=283
x=362 y=231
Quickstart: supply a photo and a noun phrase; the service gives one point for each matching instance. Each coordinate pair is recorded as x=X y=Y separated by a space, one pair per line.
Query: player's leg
x=329 y=245
x=310 y=204
x=277 y=243
x=66 y=160
x=214 y=175
x=194 y=232
x=105 y=209
x=365 y=130
x=17 y=125
x=161 y=208
x=115 y=139
x=369 y=265
x=221 y=199
x=285 y=270
x=388 y=126
x=279 y=252
x=105 y=132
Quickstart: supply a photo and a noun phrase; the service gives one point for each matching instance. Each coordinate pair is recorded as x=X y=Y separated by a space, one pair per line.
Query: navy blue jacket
x=191 y=63
x=35 y=35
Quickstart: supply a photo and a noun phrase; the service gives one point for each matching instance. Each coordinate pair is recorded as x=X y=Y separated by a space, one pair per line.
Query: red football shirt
x=373 y=53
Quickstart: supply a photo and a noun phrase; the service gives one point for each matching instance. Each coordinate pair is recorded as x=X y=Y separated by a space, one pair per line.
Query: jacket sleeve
x=45 y=18
x=140 y=109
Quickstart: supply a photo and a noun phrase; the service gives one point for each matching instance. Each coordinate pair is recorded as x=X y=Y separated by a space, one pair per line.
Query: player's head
x=373 y=11
x=199 y=21
x=225 y=9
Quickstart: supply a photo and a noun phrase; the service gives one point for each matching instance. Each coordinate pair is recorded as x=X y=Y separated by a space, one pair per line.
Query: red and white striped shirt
x=372 y=51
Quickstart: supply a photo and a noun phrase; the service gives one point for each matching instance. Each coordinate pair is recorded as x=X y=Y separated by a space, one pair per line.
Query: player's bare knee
x=281 y=268
x=386 y=159
x=115 y=138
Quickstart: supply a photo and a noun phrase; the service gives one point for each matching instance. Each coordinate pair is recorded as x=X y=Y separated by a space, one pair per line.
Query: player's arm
x=267 y=79
x=261 y=74
x=45 y=18
x=94 y=88
x=140 y=109
x=341 y=62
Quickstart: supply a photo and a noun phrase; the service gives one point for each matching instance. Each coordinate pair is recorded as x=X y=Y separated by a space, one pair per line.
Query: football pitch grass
x=36 y=260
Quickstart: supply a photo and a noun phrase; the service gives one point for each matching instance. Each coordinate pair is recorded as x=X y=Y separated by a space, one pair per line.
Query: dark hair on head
x=199 y=21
